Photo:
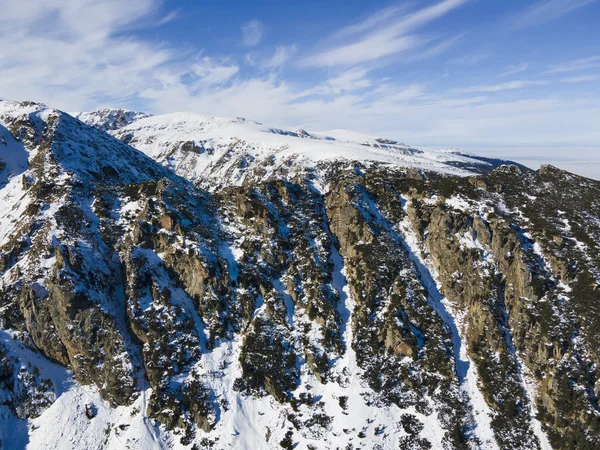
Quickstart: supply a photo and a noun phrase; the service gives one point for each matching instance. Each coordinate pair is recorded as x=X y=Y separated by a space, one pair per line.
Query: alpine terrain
x=182 y=281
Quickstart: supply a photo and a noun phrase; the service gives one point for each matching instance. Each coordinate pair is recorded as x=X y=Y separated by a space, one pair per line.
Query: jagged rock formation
x=110 y=119
x=268 y=295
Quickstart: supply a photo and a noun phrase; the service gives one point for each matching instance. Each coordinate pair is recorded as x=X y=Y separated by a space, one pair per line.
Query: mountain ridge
x=241 y=142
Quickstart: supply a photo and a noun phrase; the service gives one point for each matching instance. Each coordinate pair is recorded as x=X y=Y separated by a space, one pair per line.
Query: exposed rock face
x=110 y=119
x=510 y=258
x=343 y=303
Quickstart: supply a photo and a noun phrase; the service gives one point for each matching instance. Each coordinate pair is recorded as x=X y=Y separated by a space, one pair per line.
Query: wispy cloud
x=438 y=48
x=385 y=33
x=510 y=85
x=471 y=59
x=512 y=70
x=375 y=20
x=581 y=79
x=169 y=17
x=349 y=80
x=547 y=10
x=281 y=56
x=208 y=72
x=344 y=82
x=368 y=49
x=252 y=33
x=577 y=65
x=73 y=53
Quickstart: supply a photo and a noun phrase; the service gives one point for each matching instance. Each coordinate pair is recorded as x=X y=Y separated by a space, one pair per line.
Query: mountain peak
x=108 y=119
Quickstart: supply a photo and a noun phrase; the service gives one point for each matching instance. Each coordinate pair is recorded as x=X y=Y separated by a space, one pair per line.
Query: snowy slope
x=79 y=417
x=218 y=150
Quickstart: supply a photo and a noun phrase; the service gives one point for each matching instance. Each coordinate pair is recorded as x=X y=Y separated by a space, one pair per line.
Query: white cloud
x=90 y=19
x=368 y=49
x=250 y=59
x=374 y=21
x=581 y=79
x=471 y=59
x=349 y=80
x=547 y=10
x=577 y=65
x=73 y=53
x=383 y=34
x=207 y=72
x=517 y=84
x=252 y=33
x=281 y=55
x=512 y=70
x=343 y=82
x=440 y=47
x=169 y=17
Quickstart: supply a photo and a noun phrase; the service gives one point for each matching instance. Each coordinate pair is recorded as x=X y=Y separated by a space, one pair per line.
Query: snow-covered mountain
x=196 y=282
x=214 y=151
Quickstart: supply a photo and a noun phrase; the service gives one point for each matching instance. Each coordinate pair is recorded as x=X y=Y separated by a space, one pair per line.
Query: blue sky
x=516 y=79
